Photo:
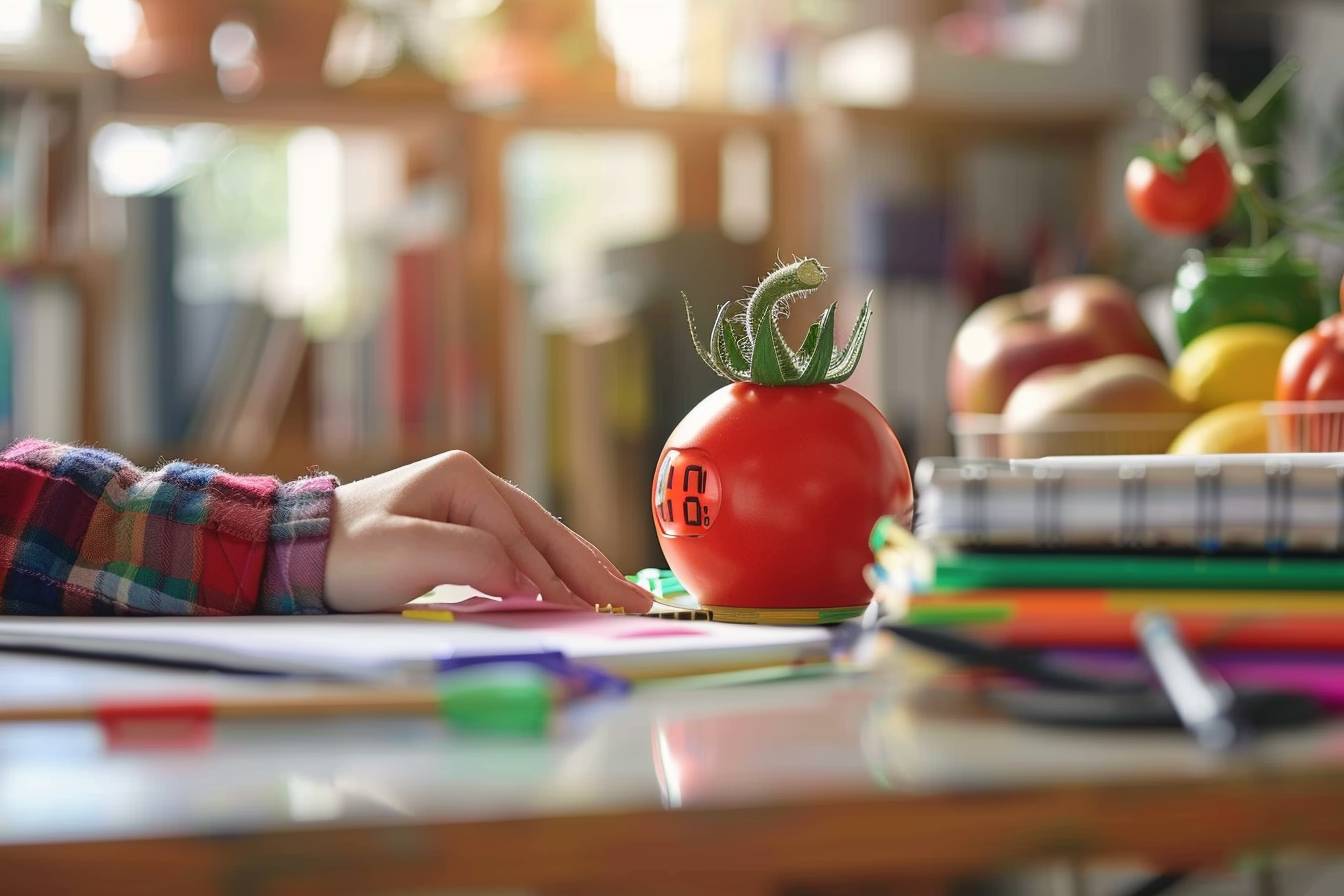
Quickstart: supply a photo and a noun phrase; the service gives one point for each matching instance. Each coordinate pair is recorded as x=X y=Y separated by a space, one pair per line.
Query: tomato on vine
x=765 y=494
x=1174 y=196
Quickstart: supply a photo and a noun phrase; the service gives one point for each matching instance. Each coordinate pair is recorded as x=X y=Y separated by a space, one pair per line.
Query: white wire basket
x=978 y=436
x=1305 y=425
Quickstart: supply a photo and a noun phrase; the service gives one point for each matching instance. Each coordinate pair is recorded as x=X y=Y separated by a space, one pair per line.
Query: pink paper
x=661 y=630
x=456 y=599
x=517 y=610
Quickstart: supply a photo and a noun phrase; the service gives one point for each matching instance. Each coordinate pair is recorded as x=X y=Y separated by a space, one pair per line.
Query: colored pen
x=1205 y=703
x=507 y=698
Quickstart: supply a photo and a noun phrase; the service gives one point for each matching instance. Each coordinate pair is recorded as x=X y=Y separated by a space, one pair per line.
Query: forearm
x=85 y=532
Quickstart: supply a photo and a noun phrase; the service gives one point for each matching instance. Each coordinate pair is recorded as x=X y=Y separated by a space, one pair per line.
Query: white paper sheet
x=392 y=647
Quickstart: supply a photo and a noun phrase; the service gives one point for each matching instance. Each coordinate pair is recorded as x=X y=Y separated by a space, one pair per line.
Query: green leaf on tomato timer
x=766 y=366
x=819 y=364
x=849 y=358
x=749 y=347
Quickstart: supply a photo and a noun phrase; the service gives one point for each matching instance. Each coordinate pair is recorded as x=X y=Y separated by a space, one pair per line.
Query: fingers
x=475 y=503
x=566 y=569
x=450 y=554
x=591 y=575
x=601 y=557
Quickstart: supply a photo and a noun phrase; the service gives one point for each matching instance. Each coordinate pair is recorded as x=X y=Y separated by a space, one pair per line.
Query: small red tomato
x=765 y=494
x=1312 y=370
x=1193 y=201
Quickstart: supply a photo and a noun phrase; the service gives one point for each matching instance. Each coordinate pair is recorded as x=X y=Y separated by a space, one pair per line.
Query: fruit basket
x=1305 y=425
x=978 y=436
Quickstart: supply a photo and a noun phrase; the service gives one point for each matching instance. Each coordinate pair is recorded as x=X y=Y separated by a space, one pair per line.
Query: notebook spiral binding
x=1278 y=505
x=975 y=477
x=1049 y=514
x=1133 y=501
x=1208 y=503
x=1339 y=491
x=1275 y=504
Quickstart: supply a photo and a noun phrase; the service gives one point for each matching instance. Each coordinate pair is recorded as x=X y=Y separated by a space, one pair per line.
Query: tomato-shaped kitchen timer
x=765 y=494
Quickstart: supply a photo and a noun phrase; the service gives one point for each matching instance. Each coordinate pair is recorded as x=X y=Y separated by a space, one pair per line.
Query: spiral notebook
x=1254 y=503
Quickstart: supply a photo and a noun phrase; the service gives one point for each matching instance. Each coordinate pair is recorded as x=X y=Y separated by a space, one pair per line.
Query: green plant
x=749 y=348
x=1206 y=116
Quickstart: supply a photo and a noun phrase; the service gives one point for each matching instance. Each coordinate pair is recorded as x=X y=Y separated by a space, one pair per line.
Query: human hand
x=449 y=520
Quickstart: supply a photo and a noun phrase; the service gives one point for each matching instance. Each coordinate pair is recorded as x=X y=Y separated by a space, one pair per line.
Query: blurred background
x=283 y=235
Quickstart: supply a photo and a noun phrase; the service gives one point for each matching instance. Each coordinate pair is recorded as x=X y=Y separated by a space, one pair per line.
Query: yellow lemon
x=1239 y=428
x=1237 y=362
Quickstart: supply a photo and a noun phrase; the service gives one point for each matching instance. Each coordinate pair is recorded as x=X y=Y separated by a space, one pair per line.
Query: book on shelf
x=405 y=375
x=219 y=376
x=41 y=358
x=25 y=124
x=416 y=337
x=215 y=376
x=144 y=407
x=251 y=431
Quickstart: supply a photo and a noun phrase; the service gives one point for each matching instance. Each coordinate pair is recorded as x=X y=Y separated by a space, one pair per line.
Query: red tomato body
x=765 y=496
x=1191 y=202
x=1312 y=369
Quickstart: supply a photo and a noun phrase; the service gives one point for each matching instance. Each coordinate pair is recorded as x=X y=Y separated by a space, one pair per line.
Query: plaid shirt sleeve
x=85 y=532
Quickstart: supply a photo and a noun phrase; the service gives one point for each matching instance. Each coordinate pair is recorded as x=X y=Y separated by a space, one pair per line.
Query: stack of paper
x=390 y=647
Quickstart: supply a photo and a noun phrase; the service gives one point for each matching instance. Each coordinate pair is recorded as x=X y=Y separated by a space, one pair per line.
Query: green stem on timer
x=749 y=347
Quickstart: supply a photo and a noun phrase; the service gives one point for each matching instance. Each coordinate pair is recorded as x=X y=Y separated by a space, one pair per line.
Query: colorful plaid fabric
x=85 y=532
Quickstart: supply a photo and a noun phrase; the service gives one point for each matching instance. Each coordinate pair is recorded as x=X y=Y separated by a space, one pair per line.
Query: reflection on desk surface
x=741 y=746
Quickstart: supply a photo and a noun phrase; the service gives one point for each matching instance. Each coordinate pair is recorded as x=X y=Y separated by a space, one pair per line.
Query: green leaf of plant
x=695 y=336
x=810 y=341
x=733 y=339
x=695 y=341
x=853 y=350
x=823 y=347
x=738 y=325
x=788 y=361
x=1258 y=100
x=717 y=343
x=766 y=368
x=736 y=374
x=1168 y=159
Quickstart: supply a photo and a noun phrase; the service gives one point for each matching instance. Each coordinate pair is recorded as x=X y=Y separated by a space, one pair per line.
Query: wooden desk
x=802 y=787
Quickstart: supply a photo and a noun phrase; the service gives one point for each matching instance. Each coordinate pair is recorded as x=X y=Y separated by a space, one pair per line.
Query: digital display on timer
x=686 y=492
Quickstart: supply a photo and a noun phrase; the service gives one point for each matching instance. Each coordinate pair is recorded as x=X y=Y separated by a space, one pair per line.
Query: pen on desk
x=1205 y=703
x=508 y=698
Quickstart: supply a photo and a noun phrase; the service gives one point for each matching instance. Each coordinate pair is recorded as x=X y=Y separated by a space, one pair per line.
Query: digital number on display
x=686 y=493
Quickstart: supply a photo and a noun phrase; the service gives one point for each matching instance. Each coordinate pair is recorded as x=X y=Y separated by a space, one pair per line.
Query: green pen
x=504 y=698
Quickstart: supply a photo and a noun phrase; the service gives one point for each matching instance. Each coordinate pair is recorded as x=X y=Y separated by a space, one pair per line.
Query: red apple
x=1065 y=321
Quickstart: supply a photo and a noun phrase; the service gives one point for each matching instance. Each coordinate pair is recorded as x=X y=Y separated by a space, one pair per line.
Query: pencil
x=513 y=700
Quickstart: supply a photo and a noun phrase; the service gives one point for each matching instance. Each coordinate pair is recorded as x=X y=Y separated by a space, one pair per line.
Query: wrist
x=294 y=577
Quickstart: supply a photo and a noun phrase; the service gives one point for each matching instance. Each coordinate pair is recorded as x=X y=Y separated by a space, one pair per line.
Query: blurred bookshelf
x=295 y=275
x=227 y=380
